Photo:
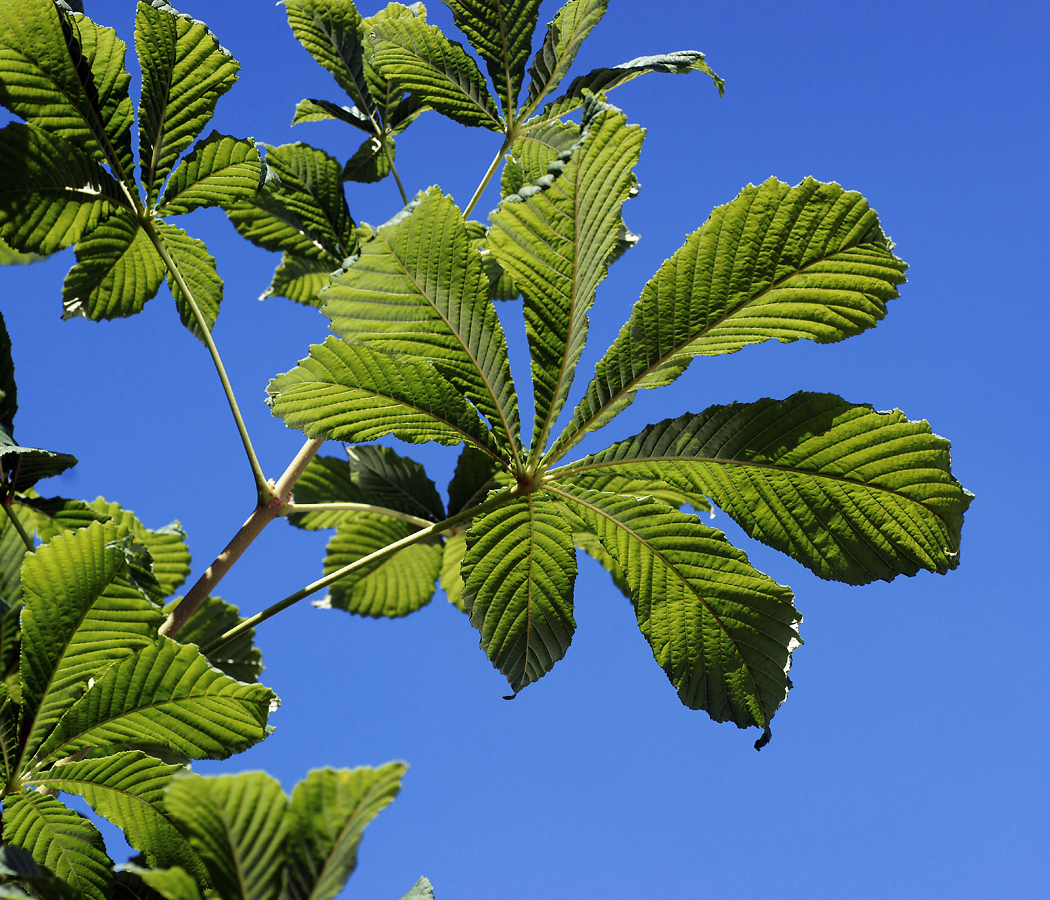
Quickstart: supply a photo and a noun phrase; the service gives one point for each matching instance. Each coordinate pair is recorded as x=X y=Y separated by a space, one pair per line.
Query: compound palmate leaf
x=778 y=262
x=518 y=575
x=853 y=494
x=721 y=630
x=418 y=289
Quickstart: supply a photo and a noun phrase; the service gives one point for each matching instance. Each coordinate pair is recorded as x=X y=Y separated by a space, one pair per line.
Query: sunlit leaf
x=220 y=171
x=184 y=72
x=197 y=267
x=300 y=279
x=778 y=262
x=532 y=154
x=518 y=574
x=451 y=578
x=722 y=631
x=571 y=25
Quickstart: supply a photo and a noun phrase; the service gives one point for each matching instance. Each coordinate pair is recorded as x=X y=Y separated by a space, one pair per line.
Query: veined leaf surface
x=128 y=789
x=219 y=171
x=778 y=262
x=722 y=631
x=164 y=695
x=197 y=267
x=351 y=393
x=239 y=658
x=395 y=586
x=417 y=57
x=81 y=615
x=300 y=279
x=60 y=840
x=565 y=35
x=118 y=269
x=51 y=193
x=184 y=72
x=531 y=155
x=418 y=289
x=853 y=494
x=327 y=815
x=501 y=32
x=237 y=825
x=518 y=575
x=555 y=240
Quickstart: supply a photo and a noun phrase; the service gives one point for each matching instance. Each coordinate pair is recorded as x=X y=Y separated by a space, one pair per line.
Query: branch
x=249 y=531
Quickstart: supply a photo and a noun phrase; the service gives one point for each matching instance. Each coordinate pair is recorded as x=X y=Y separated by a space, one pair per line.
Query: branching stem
x=488 y=176
x=261 y=485
x=431 y=530
x=248 y=532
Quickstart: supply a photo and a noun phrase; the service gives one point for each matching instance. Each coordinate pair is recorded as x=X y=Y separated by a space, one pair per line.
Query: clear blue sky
x=910 y=759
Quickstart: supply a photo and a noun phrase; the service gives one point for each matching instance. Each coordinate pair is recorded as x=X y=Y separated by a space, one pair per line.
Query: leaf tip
x=767 y=736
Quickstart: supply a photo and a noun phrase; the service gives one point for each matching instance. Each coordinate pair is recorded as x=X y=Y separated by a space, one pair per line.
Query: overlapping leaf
x=599 y=81
x=351 y=393
x=60 y=840
x=722 y=631
x=532 y=154
x=501 y=32
x=518 y=574
x=778 y=262
x=565 y=35
x=118 y=269
x=300 y=279
x=555 y=240
x=221 y=170
x=237 y=825
x=397 y=585
x=65 y=74
x=418 y=289
x=853 y=494
x=184 y=72
x=81 y=615
x=128 y=789
x=51 y=194
x=327 y=815
x=239 y=658
x=304 y=211
x=164 y=695
x=417 y=57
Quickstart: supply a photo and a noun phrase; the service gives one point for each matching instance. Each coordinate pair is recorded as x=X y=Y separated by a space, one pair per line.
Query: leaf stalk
x=26 y=539
x=488 y=176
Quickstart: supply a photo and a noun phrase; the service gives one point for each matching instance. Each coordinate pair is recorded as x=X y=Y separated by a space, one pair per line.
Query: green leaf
x=417 y=57
x=565 y=35
x=118 y=269
x=395 y=586
x=300 y=279
x=168 y=696
x=184 y=72
x=778 y=262
x=385 y=478
x=81 y=615
x=197 y=267
x=330 y=31
x=722 y=631
x=351 y=393
x=532 y=154
x=451 y=577
x=61 y=840
x=473 y=479
x=501 y=285
x=51 y=194
x=555 y=240
x=66 y=75
x=370 y=163
x=220 y=171
x=853 y=494
x=418 y=289
x=304 y=211
x=128 y=789
x=240 y=658
x=501 y=32
x=421 y=890
x=8 y=388
x=9 y=257
x=327 y=479
x=8 y=734
x=237 y=825
x=54 y=515
x=12 y=553
x=322 y=110
x=600 y=81
x=173 y=883
x=518 y=574
x=22 y=467
x=327 y=816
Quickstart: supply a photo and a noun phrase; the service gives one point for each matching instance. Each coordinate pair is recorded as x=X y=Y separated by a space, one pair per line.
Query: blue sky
x=909 y=760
